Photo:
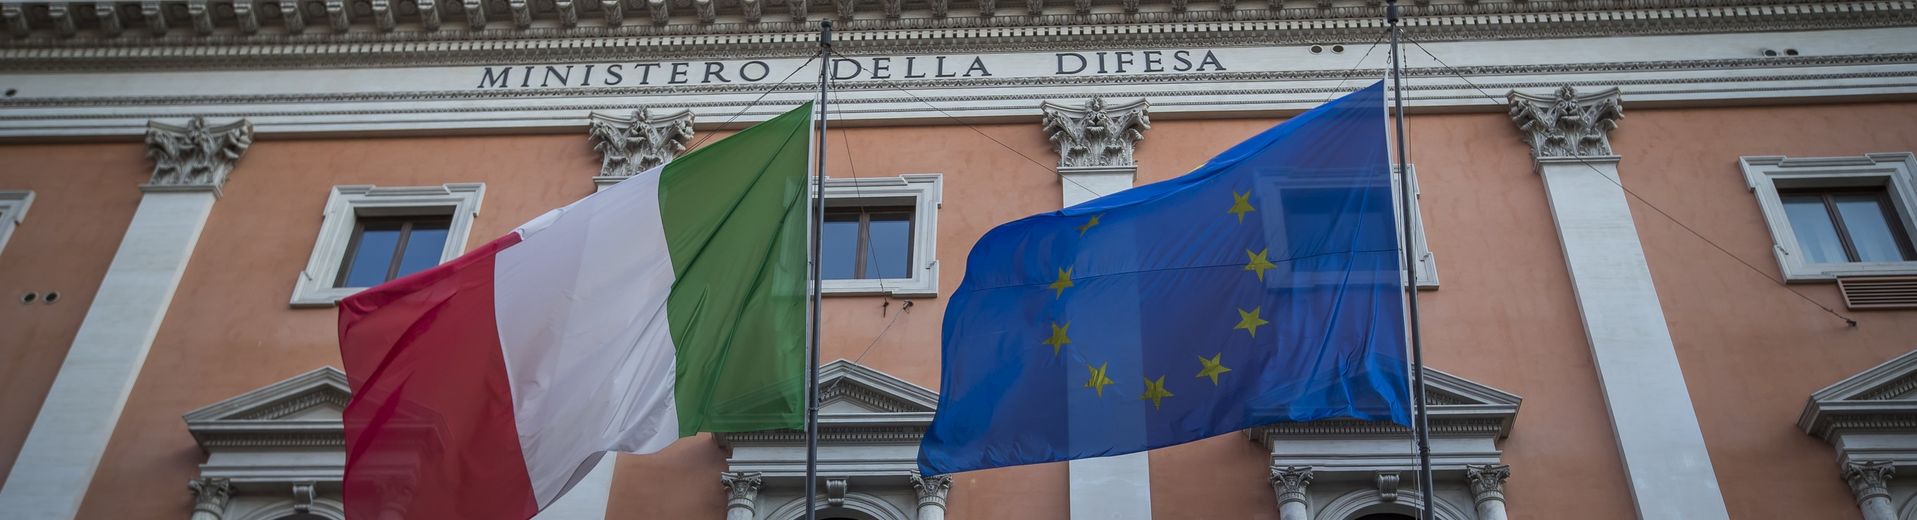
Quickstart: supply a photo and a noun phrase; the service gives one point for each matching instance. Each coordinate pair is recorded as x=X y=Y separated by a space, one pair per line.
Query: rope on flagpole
x=1421 y=427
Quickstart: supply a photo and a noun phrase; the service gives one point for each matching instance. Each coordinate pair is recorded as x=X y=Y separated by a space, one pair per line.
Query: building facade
x=1665 y=246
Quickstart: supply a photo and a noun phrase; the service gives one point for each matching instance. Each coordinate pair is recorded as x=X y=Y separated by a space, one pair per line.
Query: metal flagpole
x=818 y=220
x=1421 y=428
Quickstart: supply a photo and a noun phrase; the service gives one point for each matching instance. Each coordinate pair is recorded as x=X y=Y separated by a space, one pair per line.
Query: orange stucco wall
x=1505 y=316
x=1752 y=352
x=84 y=198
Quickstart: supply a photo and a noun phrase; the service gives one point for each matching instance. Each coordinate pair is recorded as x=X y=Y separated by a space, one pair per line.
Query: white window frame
x=1765 y=174
x=314 y=287
x=919 y=190
x=13 y=211
x=1427 y=263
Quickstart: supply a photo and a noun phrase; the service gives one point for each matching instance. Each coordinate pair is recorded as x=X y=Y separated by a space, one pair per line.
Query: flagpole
x=1421 y=428
x=818 y=223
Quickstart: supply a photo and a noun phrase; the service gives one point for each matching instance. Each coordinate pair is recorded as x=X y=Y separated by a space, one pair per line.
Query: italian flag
x=669 y=304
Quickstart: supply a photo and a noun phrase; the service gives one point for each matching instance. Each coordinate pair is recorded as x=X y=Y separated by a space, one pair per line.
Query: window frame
x=13 y=212
x=919 y=191
x=348 y=204
x=1770 y=177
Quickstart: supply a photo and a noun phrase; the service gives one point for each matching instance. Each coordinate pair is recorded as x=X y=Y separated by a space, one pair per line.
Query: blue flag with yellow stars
x=1263 y=287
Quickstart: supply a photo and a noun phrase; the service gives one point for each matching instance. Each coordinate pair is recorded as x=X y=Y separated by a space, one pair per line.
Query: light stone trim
x=13 y=212
x=69 y=435
x=924 y=193
x=314 y=285
x=1895 y=172
x=1658 y=436
x=196 y=156
x=634 y=144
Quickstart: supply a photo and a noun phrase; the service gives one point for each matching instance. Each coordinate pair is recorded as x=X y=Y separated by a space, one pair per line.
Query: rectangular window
x=866 y=243
x=1846 y=225
x=384 y=249
x=1836 y=217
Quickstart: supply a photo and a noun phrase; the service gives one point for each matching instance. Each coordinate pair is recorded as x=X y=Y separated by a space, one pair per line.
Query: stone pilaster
x=1487 y=489
x=1095 y=142
x=636 y=143
x=1651 y=413
x=209 y=498
x=1870 y=483
x=69 y=435
x=1291 y=484
x=931 y=493
x=742 y=494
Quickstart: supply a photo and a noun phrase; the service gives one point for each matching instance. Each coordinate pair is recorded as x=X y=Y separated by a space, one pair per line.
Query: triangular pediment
x=849 y=388
x=1458 y=406
x=1877 y=398
x=304 y=406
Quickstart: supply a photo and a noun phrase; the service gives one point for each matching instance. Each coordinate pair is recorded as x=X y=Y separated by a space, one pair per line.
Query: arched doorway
x=1385 y=516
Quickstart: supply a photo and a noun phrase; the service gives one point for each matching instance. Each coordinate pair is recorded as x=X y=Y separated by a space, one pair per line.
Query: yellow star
x=1155 y=391
x=1250 y=321
x=1064 y=281
x=1213 y=367
x=1259 y=263
x=1240 y=205
x=1098 y=382
x=1058 y=339
x=1088 y=224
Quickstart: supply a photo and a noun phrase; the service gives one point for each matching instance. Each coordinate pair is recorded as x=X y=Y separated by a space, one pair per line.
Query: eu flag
x=1263 y=287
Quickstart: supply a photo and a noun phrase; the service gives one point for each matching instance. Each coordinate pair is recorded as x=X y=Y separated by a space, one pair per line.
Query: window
x=13 y=211
x=1837 y=216
x=878 y=236
x=370 y=235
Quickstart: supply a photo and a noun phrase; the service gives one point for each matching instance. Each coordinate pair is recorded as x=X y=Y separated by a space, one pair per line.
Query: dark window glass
x=383 y=249
x=866 y=243
x=1846 y=225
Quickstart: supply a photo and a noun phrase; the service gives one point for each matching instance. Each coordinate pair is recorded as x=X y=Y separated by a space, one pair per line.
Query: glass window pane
x=1871 y=232
x=889 y=241
x=1816 y=235
x=423 y=247
x=838 y=246
x=369 y=261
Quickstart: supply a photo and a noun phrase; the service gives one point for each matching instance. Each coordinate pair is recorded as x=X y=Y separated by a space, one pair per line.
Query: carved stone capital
x=742 y=489
x=1869 y=479
x=636 y=143
x=1566 y=123
x=1290 y=483
x=932 y=491
x=196 y=156
x=210 y=496
x=1487 y=481
x=1095 y=134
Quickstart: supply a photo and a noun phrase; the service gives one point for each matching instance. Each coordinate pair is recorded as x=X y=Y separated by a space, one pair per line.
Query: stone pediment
x=857 y=403
x=302 y=411
x=1458 y=407
x=1883 y=398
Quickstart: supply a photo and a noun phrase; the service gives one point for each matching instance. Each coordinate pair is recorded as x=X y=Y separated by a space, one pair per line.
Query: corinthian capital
x=1290 y=483
x=1095 y=134
x=1487 y=480
x=741 y=488
x=1566 y=123
x=1869 y=479
x=209 y=496
x=196 y=156
x=931 y=491
x=639 y=142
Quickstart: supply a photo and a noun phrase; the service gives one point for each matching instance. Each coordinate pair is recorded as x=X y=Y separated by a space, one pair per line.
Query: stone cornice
x=370 y=41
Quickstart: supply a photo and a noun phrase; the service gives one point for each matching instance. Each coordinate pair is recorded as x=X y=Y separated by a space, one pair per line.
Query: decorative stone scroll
x=1487 y=489
x=195 y=156
x=1567 y=124
x=209 y=497
x=1096 y=135
x=742 y=493
x=634 y=144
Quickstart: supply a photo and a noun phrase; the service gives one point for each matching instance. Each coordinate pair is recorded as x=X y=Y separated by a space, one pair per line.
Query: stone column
x=1290 y=482
x=1869 y=482
x=742 y=494
x=209 y=498
x=1651 y=414
x=1487 y=489
x=69 y=436
x=1094 y=142
x=931 y=492
x=630 y=145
